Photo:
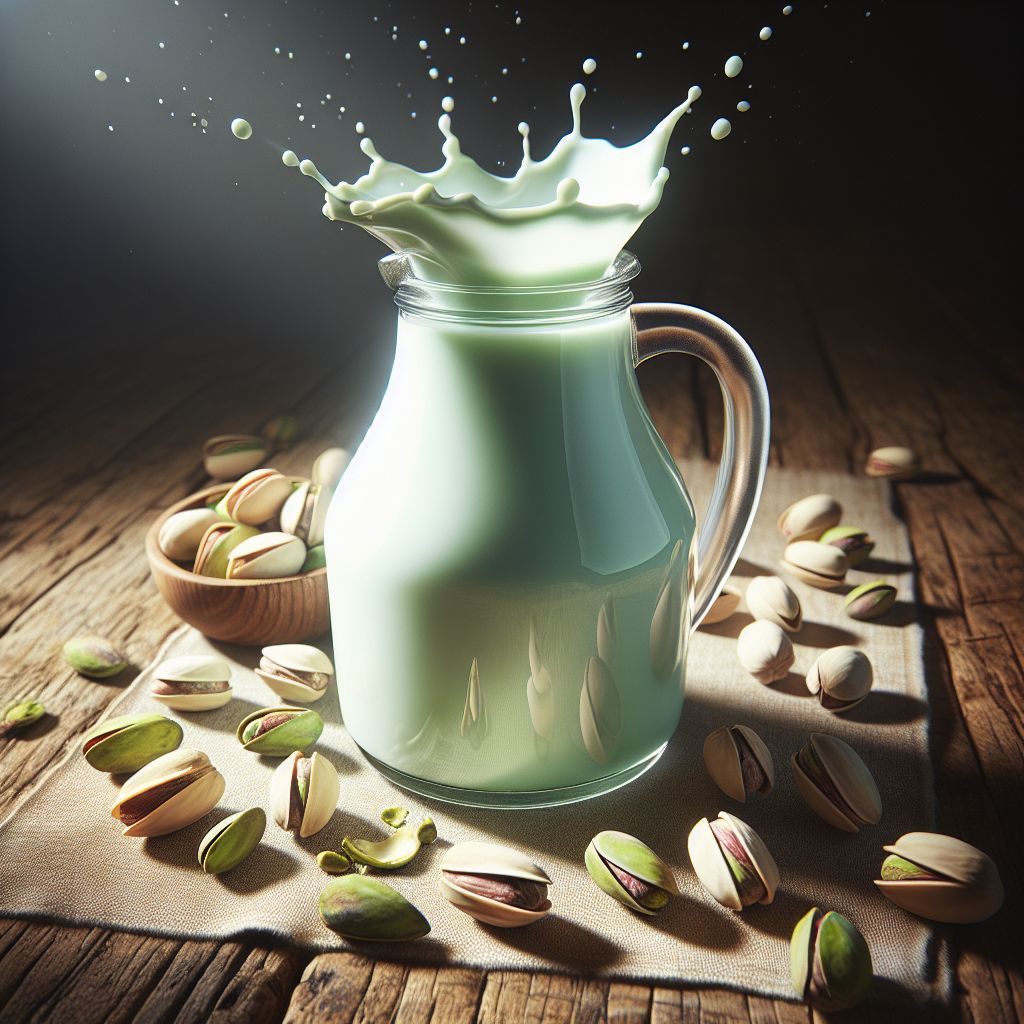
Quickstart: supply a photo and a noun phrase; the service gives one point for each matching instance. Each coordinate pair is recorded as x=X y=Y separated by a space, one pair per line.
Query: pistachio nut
x=20 y=714
x=230 y=841
x=941 y=878
x=739 y=762
x=304 y=512
x=94 y=656
x=304 y=793
x=829 y=960
x=329 y=466
x=216 y=546
x=279 y=430
x=296 y=671
x=852 y=541
x=600 y=711
x=315 y=559
x=770 y=599
x=836 y=783
x=869 y=600
x=765 y=651
x=732 y=862
x=126 y=743
x=256 y=497
x=333 y=863
x=228 y=456
x=819 y=565
x=363 y=907
x=810 y=517
x=180 y=535
x=192 y=683
x=394 y=852
x=427 y=832
x=722 y=607
x=841 y=678
x=394 y=816
x=169 y=793
x=280 y=730
x=267 y=556
x=630 y=871
x=894 y=463
x=494 y=884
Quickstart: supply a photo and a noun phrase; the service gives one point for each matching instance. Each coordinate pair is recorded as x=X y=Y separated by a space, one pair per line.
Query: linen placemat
x=63 y=857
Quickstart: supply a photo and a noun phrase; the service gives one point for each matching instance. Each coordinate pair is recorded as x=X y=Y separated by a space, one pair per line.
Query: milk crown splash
x=560 y=220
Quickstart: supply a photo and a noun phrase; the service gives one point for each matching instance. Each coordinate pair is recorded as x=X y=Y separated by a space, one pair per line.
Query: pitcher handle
x=667 y=327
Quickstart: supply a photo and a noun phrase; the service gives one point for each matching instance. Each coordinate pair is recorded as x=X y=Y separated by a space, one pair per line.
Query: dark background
x=905 y=119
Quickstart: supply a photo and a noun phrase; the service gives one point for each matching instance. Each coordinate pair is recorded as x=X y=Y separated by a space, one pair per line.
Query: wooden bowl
x=249 y=612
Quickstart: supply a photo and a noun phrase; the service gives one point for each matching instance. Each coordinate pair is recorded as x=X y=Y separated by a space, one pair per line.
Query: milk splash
x=560 y=220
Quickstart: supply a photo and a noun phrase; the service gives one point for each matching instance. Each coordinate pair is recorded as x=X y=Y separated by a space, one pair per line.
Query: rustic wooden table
x=864 y=342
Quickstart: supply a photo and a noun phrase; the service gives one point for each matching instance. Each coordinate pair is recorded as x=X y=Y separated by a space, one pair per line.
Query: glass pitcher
x=513 y=561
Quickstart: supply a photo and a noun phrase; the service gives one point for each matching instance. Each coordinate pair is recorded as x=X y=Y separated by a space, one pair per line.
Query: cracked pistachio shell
x=765 y=651
x=296 y=671
x=722 y=758
x=304 y=512
x=322 y=791
x=712 y=868
x=201 y=682
x=851 y=540
x=216 y=546
x=841 y=678
x=967 y=889
x=94 y=656
x=394 y=852
x=169 y=793
x=476 y=858
x=228 y=456
x=869 y=600
x=180 y=535
x=363 y=907
x=770 y=599
x=628 y=854
x=810 y=517
x=267 y=556
x=329 y=466
x=298 y=733
x=722 y=607
x=230 y=841
x=819 y=565
x=255 y=498
x=894 y=463
x=333 y=863
x=394 y=816
x=126 y=743
x=850 y=797
x=427 y=831
x=833 y=945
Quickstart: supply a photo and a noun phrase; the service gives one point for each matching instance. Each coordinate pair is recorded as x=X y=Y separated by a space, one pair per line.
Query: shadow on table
x=881 y=707
x=560 y=941
x=884 y=567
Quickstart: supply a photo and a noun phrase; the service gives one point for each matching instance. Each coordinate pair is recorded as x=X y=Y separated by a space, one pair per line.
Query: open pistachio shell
x=180 y=535
x=329 y=466
x=712 y=865
x=169 y=793
x=841 y=678
x=228 y=456
x=305 y=511
x=363 y=907
x=819 y=565
x=490 y=859
x=728 y=763
x=298 y=731
x=230 y=841
x=722 y=607
x=256 y=497
x=852 y=541
x=894 y=462
x=267 y=556
x=296 y=671
x=830 y=963
x=840 y=788
x=216 y=546
x=635 y=858
x=769 y=598
x=960 y=884
x=600 y=711
x=192 y=683
x=869 y=600
x=126 y=743
x=810 y=517
x=321 y=796
x=394 y=852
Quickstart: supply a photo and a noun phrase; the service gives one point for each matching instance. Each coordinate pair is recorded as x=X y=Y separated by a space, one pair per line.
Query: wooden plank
x=675 y=1006
x=331 y=990
x=628 y=1004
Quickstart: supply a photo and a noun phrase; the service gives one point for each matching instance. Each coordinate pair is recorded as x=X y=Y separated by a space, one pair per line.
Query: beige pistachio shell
x=722 y=758
x=770 y=599
x=228 y=456
x=973 y=892
x=600 y=711
x=851 y=778
x=180 y=535
x=810 y=517
x=765 y=651
x=291 y=670
x=894 y=463
x=713 y=870
x=818 y=565
x=841 y=678
x=722 y=607
x=209 y=676
x=256 y=497
x=305 y=512
x=266 y=556
x=322 y=793
x=185 y=806
x=329 y=466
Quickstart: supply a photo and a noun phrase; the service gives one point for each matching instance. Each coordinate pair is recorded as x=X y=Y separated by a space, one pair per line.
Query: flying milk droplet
x=765 y=33
x=743 y=105
x=447 y=104
x=788 y=9
x=589 y=66
x=101 y=76
x=720 y=129
x=423 y=44
x=241 y=128
x=289 y=159
x=733 y=66
x=685 y=150
x=433 y=72
x=360 y=127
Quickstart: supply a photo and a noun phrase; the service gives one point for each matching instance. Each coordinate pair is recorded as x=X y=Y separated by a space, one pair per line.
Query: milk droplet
x=241 y=128
x=685 y=150
x=494 y=99
x=360 y=127
x=447 y=104
x=589 y=66
x=462 y=39
x=126 y=78
x=447 y=31
x=686 y=46
x=788 y=9
x=348 y=56
x=733 y=66
x=298 y=105
x=101 y=76
x=432 y=72
x=639 y=54
x=277 y=49
x=289 y=159
x=720 y=128
x=423 y=44
x=328 y=95
x=519 y=21
x=302 y=117
x=765 y=33
x=743 y=105
x=450 y=79
x=160 y=101
x=161 y=45
x=204 y=122
x=290 y=55
x=110 y=127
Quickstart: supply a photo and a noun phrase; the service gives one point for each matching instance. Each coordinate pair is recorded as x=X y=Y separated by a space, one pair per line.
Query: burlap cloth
x=63 y=857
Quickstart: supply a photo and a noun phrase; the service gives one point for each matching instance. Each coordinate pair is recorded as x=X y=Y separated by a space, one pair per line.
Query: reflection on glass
x=540 y=694
x=607 y=641
x=600 y=711
x=667 y=624
x=474 y=717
